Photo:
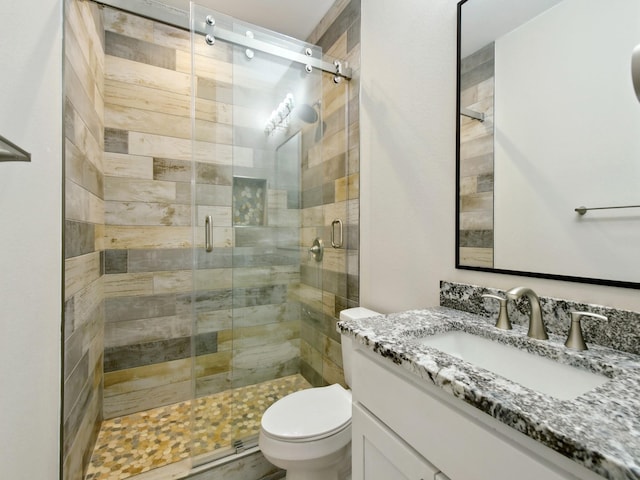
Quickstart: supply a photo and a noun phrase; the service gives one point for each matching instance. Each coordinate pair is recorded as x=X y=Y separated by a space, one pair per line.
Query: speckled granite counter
x=599 y=430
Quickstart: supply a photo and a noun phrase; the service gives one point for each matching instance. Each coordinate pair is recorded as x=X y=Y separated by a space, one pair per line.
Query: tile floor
x=140 y=442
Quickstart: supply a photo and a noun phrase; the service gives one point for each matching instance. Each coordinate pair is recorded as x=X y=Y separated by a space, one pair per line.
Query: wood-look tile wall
x=330 y=190
x=476 y=160
x=83 y=234
x=247 y=320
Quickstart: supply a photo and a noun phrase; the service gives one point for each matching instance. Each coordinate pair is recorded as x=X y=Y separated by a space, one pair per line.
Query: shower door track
x=179 y=18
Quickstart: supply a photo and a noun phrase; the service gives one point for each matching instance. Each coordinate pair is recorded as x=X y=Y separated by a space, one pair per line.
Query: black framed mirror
x=548 y=123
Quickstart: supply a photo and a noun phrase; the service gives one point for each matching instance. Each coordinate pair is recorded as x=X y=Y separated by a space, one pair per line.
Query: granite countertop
x=599 y=430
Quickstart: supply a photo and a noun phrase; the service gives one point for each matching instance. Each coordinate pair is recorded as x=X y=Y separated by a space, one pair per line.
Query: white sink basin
x=535 y=372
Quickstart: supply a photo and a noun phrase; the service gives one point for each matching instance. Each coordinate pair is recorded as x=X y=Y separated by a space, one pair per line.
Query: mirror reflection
x=549 y=122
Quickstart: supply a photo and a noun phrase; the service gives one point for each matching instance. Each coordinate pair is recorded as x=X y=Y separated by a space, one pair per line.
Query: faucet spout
x=536 y=325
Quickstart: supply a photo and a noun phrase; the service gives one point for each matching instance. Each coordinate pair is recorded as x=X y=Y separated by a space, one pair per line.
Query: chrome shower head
x=307 y=113
x=310 y=114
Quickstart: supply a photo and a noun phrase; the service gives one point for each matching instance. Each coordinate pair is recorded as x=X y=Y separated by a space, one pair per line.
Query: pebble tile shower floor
x=140 y=442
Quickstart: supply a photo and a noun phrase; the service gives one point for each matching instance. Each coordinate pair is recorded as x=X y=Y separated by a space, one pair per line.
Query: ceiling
x=485 y=21
x=295 y=18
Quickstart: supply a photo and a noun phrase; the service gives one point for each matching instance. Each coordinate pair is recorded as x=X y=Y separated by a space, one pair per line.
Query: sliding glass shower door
x=256 y=112
x=225 y=168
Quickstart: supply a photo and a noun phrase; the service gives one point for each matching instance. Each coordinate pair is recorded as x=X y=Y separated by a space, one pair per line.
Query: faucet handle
x=575 y=340
x=503 y=317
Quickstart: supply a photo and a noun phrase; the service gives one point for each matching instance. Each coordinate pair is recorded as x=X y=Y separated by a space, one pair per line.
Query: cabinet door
x=379 y=454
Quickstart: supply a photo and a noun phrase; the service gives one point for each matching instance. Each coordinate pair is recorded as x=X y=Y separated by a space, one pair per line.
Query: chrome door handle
x=335 y=244
x=208 y=233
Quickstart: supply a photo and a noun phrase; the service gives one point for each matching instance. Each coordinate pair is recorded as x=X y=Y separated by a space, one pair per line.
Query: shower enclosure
x=225 y=157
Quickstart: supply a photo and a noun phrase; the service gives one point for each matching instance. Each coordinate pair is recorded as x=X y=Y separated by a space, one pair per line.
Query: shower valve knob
x=317 y=250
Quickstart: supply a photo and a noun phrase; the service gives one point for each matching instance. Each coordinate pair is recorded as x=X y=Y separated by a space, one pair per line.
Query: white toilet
x=308 y=433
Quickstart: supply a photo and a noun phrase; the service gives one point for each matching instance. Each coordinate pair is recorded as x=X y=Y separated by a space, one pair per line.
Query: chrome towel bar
x=472 y=114
x=583 y=210
x=10 y=152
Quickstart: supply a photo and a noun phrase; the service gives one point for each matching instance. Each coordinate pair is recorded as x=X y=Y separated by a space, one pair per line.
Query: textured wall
x=330 y=190
x=83 y=233
x=476 y=159
x=408 y=118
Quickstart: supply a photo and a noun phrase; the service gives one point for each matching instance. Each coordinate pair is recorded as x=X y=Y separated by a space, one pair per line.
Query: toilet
x=308 y=433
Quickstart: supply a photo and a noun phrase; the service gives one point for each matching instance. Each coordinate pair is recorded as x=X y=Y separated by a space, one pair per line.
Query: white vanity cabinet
x=381 y=454
x=404 y=427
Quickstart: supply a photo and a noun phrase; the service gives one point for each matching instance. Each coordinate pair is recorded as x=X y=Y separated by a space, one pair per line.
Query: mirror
x=549 y=122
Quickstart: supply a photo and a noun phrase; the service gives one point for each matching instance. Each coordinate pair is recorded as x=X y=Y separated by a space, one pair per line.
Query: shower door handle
x=208 y=233
x=334 y=243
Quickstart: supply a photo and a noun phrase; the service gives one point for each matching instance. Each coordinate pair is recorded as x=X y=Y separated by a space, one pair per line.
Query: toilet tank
x=347 y=342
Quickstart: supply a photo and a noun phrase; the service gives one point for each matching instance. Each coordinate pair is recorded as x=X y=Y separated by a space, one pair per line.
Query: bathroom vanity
x=420 y=413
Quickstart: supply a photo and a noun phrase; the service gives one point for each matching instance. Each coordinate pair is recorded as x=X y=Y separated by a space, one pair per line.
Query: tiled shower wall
x=476 y=159
x=148 y=281
x=83 y=234
x=330 y=190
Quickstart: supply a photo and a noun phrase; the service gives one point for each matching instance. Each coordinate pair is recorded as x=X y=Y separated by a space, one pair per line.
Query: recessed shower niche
x=249 y=201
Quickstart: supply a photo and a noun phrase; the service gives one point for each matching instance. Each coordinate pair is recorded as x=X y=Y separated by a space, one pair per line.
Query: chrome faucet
x=536 y=325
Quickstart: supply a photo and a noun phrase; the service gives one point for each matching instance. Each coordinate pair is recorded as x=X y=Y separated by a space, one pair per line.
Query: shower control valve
x=317 y=250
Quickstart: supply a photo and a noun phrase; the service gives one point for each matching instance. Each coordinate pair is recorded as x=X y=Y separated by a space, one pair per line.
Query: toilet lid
x=316 y=412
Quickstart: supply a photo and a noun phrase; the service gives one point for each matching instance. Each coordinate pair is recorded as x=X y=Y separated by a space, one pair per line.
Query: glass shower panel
x=211 y=193
x=330 y=211
x=275 y=104
x=255 y=113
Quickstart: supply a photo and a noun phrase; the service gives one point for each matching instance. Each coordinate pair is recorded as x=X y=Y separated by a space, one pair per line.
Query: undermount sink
x=544 y=375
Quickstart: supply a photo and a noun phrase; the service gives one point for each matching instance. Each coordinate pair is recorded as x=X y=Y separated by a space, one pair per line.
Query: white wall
x=408 y=164
x=407 y=161
x=30 y=239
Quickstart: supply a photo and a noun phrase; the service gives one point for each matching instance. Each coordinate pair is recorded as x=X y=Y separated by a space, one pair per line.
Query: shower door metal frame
x=179 y=18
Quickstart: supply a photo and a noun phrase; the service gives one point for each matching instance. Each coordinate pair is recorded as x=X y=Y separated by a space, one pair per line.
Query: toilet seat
x=309 y=415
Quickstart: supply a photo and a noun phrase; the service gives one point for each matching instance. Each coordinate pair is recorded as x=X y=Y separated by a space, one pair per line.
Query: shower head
x=307 y=113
